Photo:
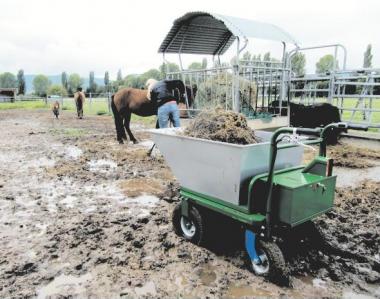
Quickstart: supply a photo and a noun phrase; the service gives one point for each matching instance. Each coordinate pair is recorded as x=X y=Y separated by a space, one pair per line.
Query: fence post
x=109 y=102
x=90 y=101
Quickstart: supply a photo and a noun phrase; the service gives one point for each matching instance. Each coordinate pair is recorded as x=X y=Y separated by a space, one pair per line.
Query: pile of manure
x=221 y=125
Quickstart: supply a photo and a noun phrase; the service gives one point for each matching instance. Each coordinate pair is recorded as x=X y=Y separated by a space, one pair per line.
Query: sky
x=50 y=36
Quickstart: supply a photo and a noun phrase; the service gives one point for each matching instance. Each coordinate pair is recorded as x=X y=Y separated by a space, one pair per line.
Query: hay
x=221 y=125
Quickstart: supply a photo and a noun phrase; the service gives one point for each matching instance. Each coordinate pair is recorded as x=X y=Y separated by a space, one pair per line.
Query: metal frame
x=236 y=29
x=335 y=87
x=273 y=81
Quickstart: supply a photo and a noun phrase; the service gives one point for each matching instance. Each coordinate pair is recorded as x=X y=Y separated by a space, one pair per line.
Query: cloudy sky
x=51 y=36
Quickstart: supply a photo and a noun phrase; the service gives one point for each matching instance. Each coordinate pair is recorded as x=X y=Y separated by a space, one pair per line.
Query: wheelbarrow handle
x=307 y=131
x=338 y=126
x=357 y=127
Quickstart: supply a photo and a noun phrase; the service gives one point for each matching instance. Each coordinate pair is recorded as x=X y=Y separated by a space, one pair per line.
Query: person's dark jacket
x=162 y=91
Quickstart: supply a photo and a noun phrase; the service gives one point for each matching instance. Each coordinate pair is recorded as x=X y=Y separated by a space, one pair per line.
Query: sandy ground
x=82 y=216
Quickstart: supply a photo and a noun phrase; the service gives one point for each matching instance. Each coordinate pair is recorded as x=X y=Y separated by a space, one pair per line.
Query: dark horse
x=131 y=100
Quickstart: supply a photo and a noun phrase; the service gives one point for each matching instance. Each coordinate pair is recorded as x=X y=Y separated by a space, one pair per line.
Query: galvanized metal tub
x=219 y=169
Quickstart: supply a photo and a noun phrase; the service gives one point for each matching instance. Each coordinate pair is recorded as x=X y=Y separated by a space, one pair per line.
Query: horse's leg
x=77 y=106
x=127 y=121
x=81 y=109
x=118 y=123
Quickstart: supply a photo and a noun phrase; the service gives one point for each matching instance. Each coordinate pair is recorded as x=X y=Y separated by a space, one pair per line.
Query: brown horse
x=125 y=102
x=131 y=100
x=79 y=99
x=55 y=108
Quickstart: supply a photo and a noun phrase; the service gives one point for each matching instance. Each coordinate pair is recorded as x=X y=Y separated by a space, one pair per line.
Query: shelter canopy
x=212 y=34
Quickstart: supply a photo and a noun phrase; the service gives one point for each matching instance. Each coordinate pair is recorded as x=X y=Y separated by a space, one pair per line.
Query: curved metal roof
x=212 y=34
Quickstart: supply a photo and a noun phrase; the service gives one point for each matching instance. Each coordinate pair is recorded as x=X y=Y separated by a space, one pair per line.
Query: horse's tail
x=118 y=121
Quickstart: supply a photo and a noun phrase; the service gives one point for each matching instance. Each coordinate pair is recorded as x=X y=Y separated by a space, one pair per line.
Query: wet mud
x=351 y=156
x=343 y=245
x=82 y=216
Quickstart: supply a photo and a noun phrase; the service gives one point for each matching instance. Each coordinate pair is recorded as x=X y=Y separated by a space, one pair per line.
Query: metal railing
x=259 y=84
x=355 y=92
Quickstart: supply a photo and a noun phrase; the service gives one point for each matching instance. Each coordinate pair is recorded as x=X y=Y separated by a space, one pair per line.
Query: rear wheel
x=192 y=227
x=272 y=263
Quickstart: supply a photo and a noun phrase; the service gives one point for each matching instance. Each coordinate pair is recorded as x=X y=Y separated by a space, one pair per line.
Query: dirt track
x=84 y=216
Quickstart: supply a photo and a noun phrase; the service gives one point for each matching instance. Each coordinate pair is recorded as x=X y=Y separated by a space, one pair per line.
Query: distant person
x=55 y=108
x=79 y=99
x=166 y=103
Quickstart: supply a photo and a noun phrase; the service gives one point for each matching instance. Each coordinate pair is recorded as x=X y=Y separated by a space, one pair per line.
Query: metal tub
x=219 y=169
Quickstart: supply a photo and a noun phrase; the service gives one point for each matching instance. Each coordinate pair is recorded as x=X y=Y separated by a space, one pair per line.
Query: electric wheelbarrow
x=262 y=186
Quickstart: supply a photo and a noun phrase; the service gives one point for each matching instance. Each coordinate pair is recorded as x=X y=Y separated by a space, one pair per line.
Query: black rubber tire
x=278 y=271
x=195 y=217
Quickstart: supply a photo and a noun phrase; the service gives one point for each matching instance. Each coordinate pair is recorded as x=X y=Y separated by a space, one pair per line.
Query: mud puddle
x=84 y=228
x=65 y=284
x=353 y=177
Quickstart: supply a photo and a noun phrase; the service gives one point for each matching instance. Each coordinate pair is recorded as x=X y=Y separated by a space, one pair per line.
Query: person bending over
x=162 y=93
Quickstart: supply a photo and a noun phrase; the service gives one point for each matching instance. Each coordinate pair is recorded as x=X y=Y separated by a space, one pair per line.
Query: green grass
x=23 y=105
x=97 y=107
x=358 y=117
x=100 y=107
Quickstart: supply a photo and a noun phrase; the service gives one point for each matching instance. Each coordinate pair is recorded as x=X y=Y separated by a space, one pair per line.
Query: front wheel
x=192 y=227
x=272 y=263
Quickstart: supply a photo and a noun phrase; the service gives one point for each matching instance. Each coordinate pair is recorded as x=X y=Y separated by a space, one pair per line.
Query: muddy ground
x=82 y=216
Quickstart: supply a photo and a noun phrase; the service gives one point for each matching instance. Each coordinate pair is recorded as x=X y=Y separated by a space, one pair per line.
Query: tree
x=267 y=57
x=245 y=59
x=138 y=81
x=152 y=73
x=41 y=84
x=8 y=80
x=326 y=64
x=133 y=81
x=218 y=63
x=247 y=56
x=298 y=62
x=106 y=79
x=57 y=89
x=92 y=85
x=367 y=63
x=74 y=82
x=195 y=66
x=64 y=80
x=168 y=67
x=204 y=63
x=119 y=76
x=21 y=82
x=256 y=57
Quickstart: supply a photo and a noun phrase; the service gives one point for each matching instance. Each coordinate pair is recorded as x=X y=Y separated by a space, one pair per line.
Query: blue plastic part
x=250 y=246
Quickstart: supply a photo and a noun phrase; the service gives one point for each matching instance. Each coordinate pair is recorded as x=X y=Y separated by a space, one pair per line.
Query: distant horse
x=131 y=100
x=55 y=108
x=79 y=98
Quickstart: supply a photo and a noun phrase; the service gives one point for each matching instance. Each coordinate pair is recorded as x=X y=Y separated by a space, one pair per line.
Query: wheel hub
x=262 y=266
x=188 y=227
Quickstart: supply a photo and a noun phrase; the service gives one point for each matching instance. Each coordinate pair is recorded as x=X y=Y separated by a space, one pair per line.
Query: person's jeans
x=166 y=112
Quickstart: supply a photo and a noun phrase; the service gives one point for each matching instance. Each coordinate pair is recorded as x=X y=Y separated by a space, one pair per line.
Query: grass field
x=96 y=107
x=100 y=107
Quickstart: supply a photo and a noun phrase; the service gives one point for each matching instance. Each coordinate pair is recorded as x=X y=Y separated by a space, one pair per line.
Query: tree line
x=70 y=83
